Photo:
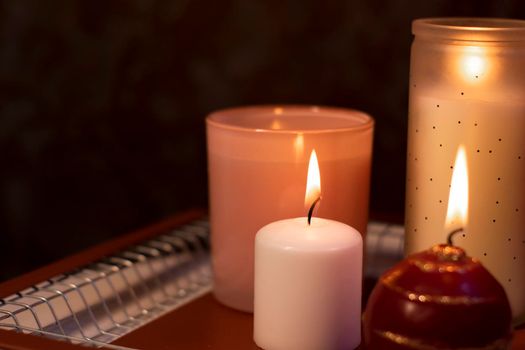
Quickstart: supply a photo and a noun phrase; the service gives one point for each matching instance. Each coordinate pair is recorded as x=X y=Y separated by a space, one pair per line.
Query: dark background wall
x=102 y=103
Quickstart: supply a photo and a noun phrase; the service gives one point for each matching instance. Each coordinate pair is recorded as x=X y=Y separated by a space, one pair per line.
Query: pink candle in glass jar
x=257 y=158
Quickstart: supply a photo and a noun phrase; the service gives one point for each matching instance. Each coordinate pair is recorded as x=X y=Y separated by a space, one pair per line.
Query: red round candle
x=438 y=299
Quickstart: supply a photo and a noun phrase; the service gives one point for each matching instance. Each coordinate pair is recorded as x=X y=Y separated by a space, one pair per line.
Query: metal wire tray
x=100 y=302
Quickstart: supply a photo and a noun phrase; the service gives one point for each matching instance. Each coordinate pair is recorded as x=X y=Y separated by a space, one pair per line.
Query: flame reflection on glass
x=473 y=63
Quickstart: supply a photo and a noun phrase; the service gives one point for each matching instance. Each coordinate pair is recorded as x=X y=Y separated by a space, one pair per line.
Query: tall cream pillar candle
x=257 y=158
x=467 y=87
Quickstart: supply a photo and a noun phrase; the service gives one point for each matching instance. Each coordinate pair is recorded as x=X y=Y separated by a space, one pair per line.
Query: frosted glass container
x=467 y=87
x=257 y=164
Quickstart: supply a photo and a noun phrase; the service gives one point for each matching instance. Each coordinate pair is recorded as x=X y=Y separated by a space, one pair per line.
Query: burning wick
x=452 y=234
x=311 y=211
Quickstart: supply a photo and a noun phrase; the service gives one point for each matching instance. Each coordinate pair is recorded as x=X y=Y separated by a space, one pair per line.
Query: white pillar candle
x=308 y=285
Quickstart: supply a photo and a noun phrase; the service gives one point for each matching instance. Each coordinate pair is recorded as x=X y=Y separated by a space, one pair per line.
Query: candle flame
x=313 y=181
x=458 y=197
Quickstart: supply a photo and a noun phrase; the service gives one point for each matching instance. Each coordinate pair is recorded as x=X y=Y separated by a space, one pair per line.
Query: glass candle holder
x=257 y=163
x=467 y=87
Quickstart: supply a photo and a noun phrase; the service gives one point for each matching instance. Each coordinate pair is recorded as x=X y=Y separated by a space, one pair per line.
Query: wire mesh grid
x=96 y=304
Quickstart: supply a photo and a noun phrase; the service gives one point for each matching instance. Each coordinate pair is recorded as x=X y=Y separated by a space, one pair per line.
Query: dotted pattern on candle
x=492 y=136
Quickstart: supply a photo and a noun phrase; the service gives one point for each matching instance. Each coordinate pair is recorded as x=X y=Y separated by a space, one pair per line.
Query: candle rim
x=363 y=119
x=278 y=234
x=476 y=29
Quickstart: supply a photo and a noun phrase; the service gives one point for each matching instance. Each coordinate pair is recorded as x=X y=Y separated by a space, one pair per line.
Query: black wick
x=452 y=234
x=311 y=211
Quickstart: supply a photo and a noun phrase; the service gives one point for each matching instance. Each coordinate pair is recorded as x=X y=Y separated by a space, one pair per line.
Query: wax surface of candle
x=308 y=285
